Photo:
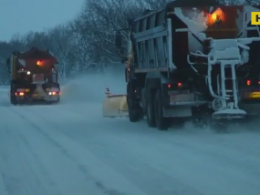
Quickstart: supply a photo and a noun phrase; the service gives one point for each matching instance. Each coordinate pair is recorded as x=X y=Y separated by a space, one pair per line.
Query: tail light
x=258 y=82
x=175 y=85
x=248 y=82
x=54 y=93
x=19 y=93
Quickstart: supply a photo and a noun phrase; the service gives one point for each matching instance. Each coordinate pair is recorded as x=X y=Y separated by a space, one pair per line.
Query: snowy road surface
x=70 y=149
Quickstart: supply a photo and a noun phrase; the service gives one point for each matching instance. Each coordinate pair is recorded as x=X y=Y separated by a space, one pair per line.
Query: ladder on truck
x=226 y=54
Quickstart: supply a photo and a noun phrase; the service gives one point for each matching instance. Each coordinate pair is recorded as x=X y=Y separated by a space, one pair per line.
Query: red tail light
x=248 y=82
x=258 y=82
x=179 y=84
x=169 y=85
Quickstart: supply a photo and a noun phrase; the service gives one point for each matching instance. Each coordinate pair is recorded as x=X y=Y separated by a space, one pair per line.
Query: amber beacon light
x=39 y=62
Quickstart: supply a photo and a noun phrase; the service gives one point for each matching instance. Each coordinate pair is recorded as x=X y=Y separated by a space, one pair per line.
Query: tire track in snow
x=81 y=167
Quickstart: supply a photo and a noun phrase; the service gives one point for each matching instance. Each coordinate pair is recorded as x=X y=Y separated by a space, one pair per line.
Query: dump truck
x=33 y=77
x=193 y=61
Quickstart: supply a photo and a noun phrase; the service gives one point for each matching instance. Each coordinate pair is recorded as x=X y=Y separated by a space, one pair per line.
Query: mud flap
x=115 y=106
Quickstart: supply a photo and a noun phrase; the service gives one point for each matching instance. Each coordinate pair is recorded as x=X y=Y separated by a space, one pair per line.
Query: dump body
x=33 y=76
x=164 y=39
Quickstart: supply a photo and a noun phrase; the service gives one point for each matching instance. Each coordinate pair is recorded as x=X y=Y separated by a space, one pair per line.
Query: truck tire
x=150 y=117
x=161 y=122
x=13 y=99
x=134 y=111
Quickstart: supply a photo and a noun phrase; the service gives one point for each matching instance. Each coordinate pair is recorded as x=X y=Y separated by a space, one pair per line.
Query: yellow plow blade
x=115 y=106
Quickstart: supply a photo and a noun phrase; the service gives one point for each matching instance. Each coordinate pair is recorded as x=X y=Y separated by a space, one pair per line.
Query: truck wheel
x=150 y=110
x=13 y=99
x=161 y=122
x=134 y=111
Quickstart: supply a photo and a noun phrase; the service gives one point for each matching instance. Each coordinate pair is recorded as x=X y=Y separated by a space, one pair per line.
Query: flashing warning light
x=39 y=62
x=179 y=84
x=217 y=15
x=248 y=82
x=21 y=93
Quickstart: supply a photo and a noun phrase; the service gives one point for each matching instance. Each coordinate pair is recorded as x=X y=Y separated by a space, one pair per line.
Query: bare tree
x=63 y=46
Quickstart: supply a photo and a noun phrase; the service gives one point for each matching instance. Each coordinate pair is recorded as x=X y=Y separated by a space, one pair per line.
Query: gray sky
x=21 y=16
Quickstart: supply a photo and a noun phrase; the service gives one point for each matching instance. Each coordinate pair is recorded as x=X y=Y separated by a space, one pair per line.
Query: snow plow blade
x=115 y=105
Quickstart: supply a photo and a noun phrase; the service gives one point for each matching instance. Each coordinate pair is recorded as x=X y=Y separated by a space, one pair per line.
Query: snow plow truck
x=33 y=77
x=198 y=61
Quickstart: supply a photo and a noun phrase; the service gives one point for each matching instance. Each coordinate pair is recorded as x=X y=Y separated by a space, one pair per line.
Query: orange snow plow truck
x=33 y=77
x=195 y=60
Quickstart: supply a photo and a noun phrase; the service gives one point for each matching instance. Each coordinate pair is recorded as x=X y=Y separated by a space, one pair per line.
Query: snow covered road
x=70 y=149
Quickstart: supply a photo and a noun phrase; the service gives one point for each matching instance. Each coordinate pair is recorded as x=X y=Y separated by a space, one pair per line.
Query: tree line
x=86 y=43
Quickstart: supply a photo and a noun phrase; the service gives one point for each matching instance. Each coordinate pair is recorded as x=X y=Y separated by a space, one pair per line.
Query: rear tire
x=13 y=99
x=162 y=123
x=134 y=111
x=150 y=110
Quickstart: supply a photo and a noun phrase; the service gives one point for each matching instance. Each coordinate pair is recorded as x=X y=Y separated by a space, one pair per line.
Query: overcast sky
x=21 y=16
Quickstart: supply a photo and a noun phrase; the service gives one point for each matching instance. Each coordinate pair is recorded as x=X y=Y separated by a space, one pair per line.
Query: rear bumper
x=46 y=93
x=30 y=98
